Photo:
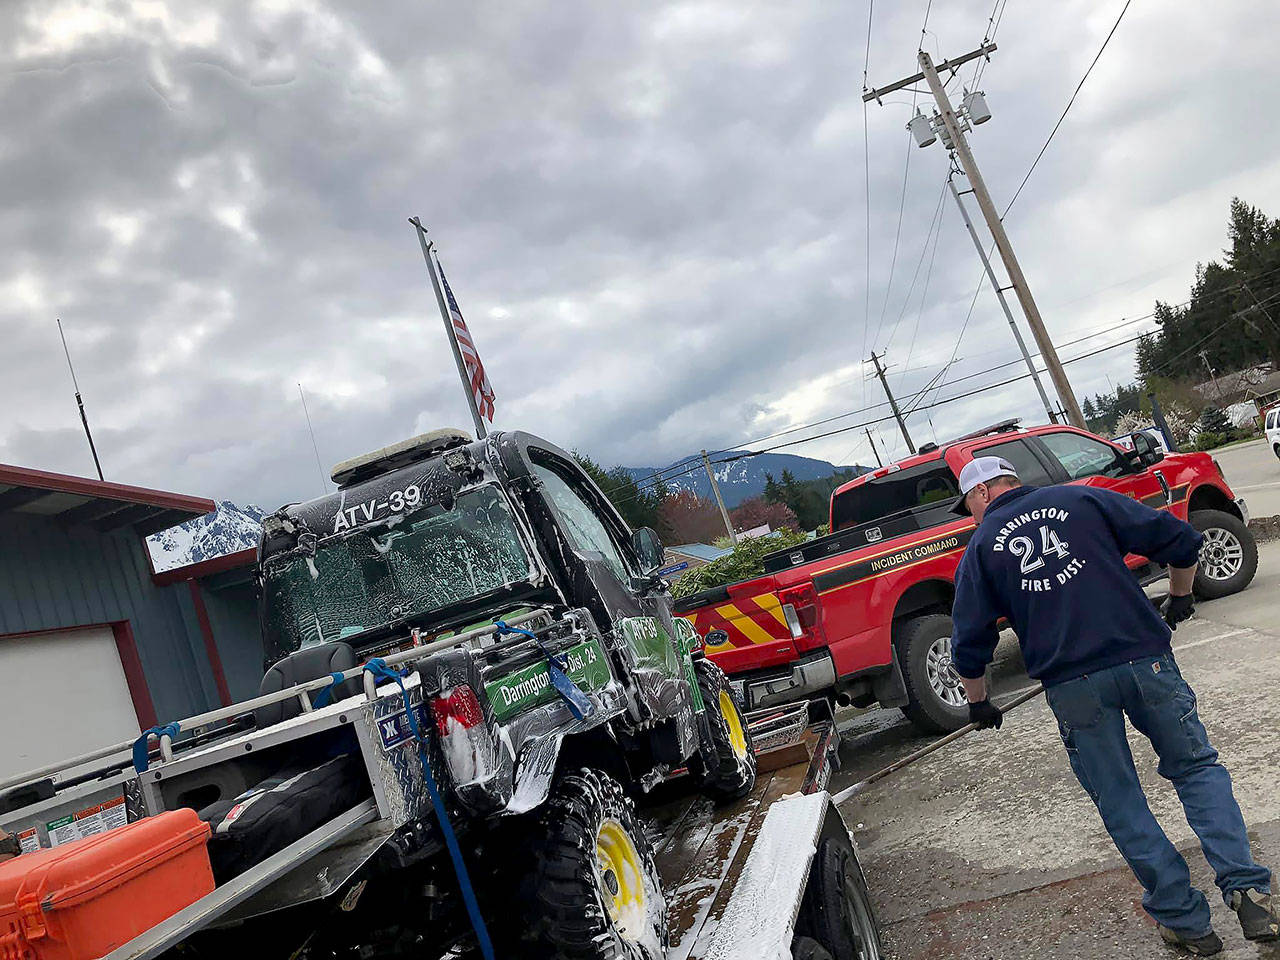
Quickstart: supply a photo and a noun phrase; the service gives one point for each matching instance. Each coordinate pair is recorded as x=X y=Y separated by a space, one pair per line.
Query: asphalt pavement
x=1253 y=471
x=990 y=849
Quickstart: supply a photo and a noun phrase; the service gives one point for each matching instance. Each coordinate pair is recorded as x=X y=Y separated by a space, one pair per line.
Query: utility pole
x=893 y=404
x=80 y=403
x=715 y=488
x=1213 y=377
x=1004 y=304
x=879 y=462
x=951 y=124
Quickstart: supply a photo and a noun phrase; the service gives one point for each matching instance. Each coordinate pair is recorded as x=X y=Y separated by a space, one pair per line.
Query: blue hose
x=378 y=667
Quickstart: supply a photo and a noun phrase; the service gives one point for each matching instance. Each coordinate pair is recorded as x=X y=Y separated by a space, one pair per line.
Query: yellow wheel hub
x=621 y=879
x=737 y=739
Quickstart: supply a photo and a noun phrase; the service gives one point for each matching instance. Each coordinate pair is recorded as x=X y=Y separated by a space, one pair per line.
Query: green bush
x=1207 y=440
x=746 y=561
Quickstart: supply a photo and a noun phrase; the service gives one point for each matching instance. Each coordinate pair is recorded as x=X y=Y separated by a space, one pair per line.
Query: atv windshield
x=407 y=567
x=927 y=491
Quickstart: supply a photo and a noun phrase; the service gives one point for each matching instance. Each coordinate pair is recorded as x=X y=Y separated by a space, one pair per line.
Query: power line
x=1067 y=108
x=993 y=24
x=879 y=420
x=935 y=223
x=666 y=473
x=924 y=294
x=866 y=184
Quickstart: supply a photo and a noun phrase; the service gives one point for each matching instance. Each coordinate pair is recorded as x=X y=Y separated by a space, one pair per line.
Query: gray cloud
x=653 y=217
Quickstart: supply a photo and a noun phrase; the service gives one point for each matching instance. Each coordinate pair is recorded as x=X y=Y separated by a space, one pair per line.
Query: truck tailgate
x=751 y=614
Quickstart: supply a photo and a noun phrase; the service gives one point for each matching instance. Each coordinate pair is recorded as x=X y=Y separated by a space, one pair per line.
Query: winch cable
x=378 y=667
x=911 y=758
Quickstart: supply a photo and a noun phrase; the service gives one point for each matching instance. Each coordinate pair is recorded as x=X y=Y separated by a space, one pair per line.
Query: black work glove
x=985 y=715
x=1176 y=609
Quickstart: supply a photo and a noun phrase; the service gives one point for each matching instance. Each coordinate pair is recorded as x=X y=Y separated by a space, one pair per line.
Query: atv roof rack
x=1004 y=426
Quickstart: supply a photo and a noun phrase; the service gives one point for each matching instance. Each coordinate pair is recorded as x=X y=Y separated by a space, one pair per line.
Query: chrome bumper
x=804 y=678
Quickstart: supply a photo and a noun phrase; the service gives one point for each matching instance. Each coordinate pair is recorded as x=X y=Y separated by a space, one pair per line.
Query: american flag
x=481 y=389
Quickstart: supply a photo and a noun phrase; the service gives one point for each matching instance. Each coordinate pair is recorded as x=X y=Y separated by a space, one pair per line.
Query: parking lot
x=990 y=849
x=1254 y=473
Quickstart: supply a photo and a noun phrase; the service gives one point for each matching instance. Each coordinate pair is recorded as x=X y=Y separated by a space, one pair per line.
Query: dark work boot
x=1257 y=914
x=1205 y=946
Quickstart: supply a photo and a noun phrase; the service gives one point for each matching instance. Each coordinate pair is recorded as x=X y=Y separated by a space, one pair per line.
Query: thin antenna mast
x=324 y=480
x=80 y=403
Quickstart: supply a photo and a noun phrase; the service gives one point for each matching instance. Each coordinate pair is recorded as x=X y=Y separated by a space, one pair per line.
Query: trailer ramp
x=703 y=850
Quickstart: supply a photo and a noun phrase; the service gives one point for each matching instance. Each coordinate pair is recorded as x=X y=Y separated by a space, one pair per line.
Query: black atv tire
x=729 y=761
x=1229 y=558
x=807 y=948
x=925 y=707
x=837 y=911
x=578 y=908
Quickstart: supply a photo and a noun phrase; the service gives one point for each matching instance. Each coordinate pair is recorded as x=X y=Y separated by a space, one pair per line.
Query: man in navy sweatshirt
x=1050 y=560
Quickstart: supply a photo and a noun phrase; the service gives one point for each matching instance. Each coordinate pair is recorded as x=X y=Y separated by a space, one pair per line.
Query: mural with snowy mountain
x=228 y=529
x=231 y=527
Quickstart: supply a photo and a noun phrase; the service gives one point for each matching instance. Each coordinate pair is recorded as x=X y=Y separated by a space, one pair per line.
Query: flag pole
x=80 y=403
x=448 y=327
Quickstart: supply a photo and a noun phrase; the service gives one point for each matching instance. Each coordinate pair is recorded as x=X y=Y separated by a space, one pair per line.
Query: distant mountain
x=228 y=529
x=740 y=479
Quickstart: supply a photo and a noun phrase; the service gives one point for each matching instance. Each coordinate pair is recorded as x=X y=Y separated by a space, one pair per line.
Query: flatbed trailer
x=742 y=881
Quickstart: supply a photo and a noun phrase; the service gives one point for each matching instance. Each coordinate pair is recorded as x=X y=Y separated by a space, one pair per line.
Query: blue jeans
x=1091 y=711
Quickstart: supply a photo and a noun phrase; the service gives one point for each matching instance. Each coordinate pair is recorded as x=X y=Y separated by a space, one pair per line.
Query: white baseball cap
x=981 y=470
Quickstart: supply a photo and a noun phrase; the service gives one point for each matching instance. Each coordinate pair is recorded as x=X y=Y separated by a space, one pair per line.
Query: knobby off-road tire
x=596 y=894
x=836 y=912
x=729 y=761
x=1229 y=557
x=924 y=653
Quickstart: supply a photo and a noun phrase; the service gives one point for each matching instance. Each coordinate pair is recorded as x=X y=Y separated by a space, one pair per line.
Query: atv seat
x=309 y=663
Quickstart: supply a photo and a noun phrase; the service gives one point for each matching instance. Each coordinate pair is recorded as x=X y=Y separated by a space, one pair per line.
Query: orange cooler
x=83 y=899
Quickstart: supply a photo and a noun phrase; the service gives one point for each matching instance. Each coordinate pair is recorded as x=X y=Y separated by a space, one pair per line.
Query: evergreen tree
x=1213 y=420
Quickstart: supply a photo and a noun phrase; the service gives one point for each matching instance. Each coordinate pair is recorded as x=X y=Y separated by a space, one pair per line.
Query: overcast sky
x=653 y=216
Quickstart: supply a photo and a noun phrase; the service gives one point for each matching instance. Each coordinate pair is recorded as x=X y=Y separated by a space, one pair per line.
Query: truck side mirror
x=1147 y=451
x=648 y=550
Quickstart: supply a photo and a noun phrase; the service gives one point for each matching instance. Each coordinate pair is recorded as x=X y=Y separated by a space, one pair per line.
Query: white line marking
x=1177 y=649
x=1213 y=639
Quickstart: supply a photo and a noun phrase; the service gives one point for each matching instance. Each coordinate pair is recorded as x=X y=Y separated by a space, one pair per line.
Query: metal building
x=94 y=645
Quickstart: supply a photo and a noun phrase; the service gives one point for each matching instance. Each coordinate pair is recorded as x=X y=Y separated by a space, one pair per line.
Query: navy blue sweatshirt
x=1051 y=561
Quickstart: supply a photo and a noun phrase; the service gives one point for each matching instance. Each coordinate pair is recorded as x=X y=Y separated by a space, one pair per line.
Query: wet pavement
x=990 y=849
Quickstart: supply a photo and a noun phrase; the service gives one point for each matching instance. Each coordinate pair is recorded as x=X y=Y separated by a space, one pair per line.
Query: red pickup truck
x=863 y=614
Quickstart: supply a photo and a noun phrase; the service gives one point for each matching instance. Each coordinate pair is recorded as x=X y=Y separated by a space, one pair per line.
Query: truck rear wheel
x=1229 y=557
x=836 y=915
x=729 y=761
x=937 y=702
x=596 y=890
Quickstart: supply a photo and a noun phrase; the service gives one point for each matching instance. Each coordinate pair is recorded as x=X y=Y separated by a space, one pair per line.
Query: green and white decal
x=531 y=686
x=689 y=640
x=652 y=645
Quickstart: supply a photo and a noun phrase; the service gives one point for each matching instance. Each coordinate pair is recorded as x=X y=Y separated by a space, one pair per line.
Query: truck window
x=584 y=527
x=926 y=489
x=1083 y=456
x=1030 y=470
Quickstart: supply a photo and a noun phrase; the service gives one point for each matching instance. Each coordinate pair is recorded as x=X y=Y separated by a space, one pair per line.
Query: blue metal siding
x=51 y=577
x=233 y=615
